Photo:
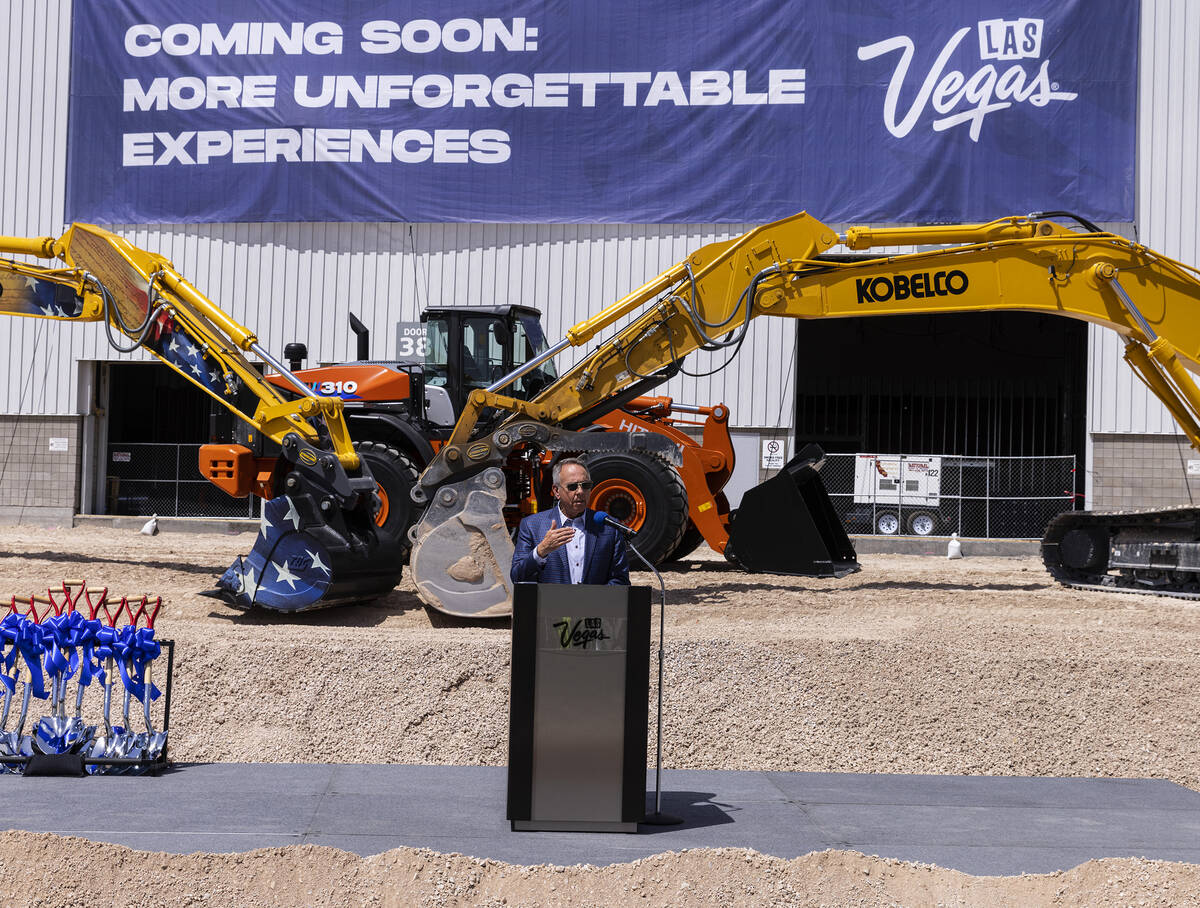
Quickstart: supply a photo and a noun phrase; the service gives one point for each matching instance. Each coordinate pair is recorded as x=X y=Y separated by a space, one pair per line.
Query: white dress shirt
x=575 y=549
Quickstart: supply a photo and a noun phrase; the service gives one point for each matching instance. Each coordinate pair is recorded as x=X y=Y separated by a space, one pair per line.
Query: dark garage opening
x=157 y=421
x=985 y=386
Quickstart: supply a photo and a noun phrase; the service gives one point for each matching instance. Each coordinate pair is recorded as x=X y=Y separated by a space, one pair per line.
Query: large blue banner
x=600 y=110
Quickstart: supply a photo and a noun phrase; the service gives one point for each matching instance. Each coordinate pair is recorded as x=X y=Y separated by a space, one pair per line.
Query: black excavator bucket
x=787 y=525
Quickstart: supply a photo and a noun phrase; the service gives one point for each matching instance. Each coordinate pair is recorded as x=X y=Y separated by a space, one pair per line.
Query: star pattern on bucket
x=317 y=563
x=292 y=514
x=283 y=575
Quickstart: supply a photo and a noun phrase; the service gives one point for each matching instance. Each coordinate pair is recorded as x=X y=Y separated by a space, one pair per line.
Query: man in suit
x=563 y=544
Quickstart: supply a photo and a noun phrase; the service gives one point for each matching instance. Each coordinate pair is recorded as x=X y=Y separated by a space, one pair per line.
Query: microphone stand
x=658 y=818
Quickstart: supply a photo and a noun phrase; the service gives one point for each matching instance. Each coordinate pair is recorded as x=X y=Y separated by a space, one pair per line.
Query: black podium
x=578 y=708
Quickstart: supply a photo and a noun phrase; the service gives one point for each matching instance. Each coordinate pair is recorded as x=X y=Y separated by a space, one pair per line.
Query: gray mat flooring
x=977 y=824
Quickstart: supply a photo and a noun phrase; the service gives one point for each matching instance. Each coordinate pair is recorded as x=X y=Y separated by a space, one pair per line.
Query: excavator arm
x=318 y=545
x=148 y=304
x=782 y=269
x=1022 y=263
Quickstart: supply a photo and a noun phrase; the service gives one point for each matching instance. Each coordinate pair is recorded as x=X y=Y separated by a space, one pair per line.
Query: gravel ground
x=74 y=873
x=916 y=664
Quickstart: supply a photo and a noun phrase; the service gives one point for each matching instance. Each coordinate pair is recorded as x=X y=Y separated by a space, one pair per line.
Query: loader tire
x=692 y=537
x=646 y=494
x=395 y=477
x=692 y=540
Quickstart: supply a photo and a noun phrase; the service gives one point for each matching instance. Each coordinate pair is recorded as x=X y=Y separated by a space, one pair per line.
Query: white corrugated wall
x=298 y=281
x=37 y=374
x=1168 y=200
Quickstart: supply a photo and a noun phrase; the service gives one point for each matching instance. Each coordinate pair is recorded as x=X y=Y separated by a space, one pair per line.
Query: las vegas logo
x=961 y=99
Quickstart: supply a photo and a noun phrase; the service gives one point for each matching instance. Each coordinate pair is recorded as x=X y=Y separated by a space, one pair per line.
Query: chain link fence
x=884 y=494
x=924 y=495
x=164 y=479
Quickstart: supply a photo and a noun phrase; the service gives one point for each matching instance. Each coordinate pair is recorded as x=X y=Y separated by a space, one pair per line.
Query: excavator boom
x=783 y=269
x=318 y=545
x=1029 y=263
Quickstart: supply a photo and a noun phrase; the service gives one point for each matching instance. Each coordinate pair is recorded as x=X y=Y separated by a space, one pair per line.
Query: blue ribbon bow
x=133 y=648
x=31 y=645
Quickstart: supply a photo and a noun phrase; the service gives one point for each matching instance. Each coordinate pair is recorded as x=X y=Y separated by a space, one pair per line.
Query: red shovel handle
x=110 y=615
x=72 y=599
x=144 y=609
x=33 y=612
x=94 y=605
x=54 y=605
x=134 y=616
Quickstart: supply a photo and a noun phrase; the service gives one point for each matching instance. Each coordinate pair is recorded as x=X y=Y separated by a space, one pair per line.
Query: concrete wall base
x=936 y=545
x=27 y=515
x=223 y=525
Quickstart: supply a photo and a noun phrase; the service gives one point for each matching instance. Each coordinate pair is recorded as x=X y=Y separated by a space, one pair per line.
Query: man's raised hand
x=556 y=537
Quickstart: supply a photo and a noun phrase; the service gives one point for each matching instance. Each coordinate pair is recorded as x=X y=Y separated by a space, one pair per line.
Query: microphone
x=602 y=518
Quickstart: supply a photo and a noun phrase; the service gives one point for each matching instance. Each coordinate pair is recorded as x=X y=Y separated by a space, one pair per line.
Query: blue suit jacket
x=603 y=553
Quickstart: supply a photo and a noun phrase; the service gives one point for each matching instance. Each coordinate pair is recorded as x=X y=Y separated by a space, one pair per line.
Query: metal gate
x=164 y=479
x=932 y=494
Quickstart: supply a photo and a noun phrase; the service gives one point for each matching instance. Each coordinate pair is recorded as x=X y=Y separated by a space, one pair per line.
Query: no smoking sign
x=774 y=453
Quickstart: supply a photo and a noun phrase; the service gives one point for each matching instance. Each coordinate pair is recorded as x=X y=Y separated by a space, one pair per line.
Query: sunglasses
x=586 y=485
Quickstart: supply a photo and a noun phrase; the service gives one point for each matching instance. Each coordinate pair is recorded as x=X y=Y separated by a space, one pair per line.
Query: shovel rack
x=61 y=644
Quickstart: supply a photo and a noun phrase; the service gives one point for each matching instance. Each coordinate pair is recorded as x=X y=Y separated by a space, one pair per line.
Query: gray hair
x=557 y=471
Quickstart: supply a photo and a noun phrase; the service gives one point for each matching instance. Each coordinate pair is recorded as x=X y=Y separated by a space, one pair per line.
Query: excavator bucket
x=787 y=525
x=304 y=559
x=462 y=551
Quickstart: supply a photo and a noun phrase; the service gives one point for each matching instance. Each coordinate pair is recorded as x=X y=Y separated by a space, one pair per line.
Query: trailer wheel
x=395 y=477
x=922 y=523
x=646 y=494
x=887 y=523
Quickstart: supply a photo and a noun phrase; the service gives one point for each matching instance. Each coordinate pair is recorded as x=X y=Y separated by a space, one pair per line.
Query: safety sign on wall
x=774 y=453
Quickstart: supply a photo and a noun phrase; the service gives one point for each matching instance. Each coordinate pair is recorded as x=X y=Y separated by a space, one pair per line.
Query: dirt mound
x=39 y=869
x=915 y=665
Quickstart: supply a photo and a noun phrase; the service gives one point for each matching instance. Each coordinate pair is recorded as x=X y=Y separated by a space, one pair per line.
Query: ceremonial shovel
x=152 y=741
x=10 y=741
x=77 y=734
x=102 y=744
x=50 y=729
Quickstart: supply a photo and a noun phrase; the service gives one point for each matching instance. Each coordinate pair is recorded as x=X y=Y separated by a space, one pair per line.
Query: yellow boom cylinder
x=44 y=247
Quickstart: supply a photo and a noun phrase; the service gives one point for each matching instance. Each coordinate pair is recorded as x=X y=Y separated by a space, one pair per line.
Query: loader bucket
x=787 y=525
x=303 y=560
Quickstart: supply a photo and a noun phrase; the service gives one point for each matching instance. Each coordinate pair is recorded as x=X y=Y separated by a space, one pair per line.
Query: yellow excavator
x=1052 y=262
x=319 y=543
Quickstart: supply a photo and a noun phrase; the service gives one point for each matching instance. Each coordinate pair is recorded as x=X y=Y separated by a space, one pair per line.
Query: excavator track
x=1153 y=553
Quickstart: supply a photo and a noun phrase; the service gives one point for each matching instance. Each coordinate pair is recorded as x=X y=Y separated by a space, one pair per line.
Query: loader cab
x=469 y=348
